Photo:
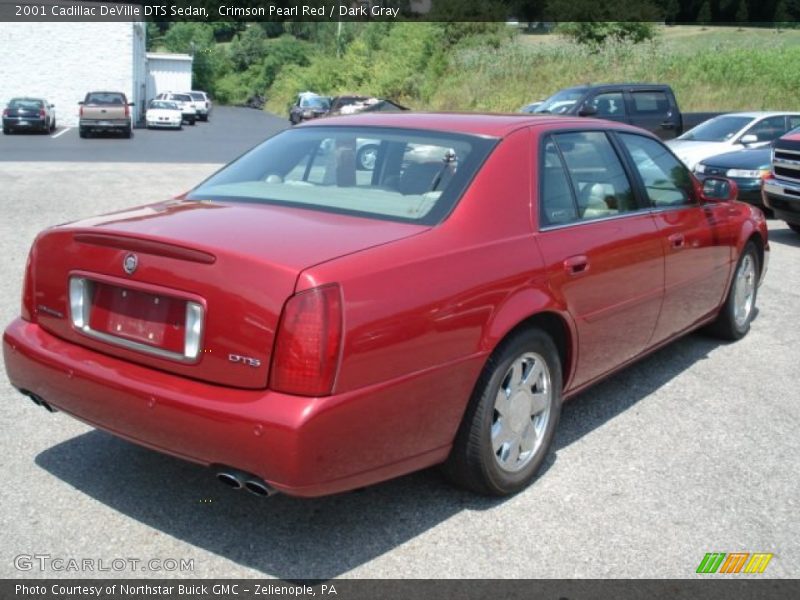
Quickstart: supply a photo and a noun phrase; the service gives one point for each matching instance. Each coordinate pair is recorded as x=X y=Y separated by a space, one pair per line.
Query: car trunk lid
x=193 y=288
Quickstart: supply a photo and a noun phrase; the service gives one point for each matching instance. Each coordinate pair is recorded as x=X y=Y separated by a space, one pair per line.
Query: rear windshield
x=163 y=104
x=25 y=103
x=181 y=97
x=718 y=129
x=197 y=96
x=386 y=173
x=105 y=98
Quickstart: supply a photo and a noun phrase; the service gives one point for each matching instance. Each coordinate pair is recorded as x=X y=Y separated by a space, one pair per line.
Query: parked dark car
x=748 y=168
x=651 y=106
x=29 y=114
x=309 y=106
x=300 y=325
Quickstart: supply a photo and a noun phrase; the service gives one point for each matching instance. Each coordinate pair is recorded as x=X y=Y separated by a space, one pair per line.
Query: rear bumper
x=111 y=124
x=23 y=123
x=783 y=198
x=301 y=446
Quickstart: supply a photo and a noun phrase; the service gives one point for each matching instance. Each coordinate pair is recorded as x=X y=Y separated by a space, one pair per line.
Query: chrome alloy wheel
x=744 y=290
x=521 y=412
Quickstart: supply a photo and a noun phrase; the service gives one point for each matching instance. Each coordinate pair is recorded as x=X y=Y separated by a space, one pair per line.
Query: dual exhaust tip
x=238 y=480
x=39 y=401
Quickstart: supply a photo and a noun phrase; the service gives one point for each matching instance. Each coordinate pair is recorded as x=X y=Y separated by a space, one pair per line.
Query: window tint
x=388 y=173
x=556 y=205
x=609 y=105
x=665 y=178
x=768 y=129
x=105 y=98
x=650 y=102
x=794 y=122
x=599 y=182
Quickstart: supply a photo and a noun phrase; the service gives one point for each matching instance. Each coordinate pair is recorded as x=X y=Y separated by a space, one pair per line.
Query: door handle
x=575 y=265
x=668 y=125
x=677 y=240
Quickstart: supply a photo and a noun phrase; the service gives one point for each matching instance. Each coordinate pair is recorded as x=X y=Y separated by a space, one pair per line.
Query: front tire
x=794 y=227
x=733 y=321
x=511 y=419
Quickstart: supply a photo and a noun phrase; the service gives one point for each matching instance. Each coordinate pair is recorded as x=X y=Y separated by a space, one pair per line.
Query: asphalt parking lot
x=693 y=450
x=227 y=134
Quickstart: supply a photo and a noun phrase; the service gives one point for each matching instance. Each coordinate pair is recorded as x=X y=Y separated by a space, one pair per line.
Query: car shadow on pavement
x=322 y=537
x=784 y=236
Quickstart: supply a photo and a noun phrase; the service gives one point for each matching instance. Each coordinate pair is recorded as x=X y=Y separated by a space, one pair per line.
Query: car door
x=697 y=239
x=650 y=109
x=610 y=105
x=603 y=254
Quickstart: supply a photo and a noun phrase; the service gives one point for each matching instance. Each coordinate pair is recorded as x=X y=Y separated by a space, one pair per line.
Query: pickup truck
x=651 y=106
x=780 y=191
x=105 y=111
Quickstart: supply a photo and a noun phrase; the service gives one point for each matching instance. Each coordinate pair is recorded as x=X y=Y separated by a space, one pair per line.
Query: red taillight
x=5 y=112
x=80 y=113
x=27 y=310
x=306 y=355
x=127 y=110
x=41 y=113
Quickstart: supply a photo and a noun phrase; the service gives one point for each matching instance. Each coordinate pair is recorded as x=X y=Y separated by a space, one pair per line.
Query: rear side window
x=596 y=180
x=665 y=178
x=105 y=98
x=650 y=102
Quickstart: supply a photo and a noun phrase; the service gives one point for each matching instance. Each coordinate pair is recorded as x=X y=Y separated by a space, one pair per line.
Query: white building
x=61 y=62
x=168 y=73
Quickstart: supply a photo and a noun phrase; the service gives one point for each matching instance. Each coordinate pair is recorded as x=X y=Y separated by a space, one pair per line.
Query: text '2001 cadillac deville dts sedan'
x=307 y=325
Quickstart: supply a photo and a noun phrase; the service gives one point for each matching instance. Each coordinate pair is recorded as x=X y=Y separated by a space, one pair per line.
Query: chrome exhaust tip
x=259 y=488
x=231 y=479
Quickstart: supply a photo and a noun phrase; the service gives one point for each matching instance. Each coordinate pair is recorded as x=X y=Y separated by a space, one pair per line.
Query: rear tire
x=733 y=321
x=128 y=133
x=794 y=227
x=511 y=419
x=84 y=133
x=6 y=131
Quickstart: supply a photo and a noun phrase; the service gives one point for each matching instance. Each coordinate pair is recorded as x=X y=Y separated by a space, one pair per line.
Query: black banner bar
x=711 y=588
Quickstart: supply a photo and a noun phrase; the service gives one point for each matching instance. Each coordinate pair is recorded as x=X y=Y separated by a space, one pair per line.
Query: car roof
x=487 y=124
x=757 y=114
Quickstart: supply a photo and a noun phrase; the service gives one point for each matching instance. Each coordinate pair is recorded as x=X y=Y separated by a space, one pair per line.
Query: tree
x=742 y=15
x=585 y=32
x=196 y=39
x=247 y=48
x=704 y=16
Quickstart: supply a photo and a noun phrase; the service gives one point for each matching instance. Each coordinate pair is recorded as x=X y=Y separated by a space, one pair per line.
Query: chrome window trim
x=79 y=303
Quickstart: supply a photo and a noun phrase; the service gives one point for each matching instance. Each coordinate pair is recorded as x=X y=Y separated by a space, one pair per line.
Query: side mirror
x=748 y=139
x=131 y=103
x=81 y=102
x=52 y=106
x=719 y=189
x=587 y=110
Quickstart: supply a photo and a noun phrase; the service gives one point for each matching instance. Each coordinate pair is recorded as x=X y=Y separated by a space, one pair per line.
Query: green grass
x=715 y=68
x=719 y=69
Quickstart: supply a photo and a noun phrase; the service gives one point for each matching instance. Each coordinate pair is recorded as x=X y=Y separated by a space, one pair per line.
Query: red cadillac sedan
x=308 y=324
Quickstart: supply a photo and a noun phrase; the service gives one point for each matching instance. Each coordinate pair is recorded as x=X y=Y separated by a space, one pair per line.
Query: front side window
x=768 y=129
x=387 y=173
x=666 y=179
x=609 y=105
